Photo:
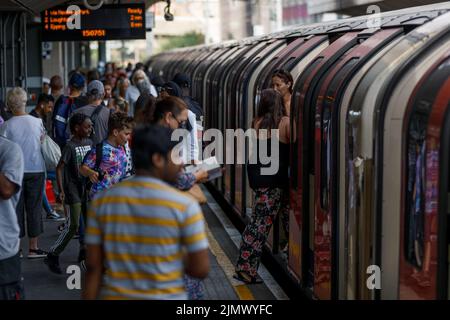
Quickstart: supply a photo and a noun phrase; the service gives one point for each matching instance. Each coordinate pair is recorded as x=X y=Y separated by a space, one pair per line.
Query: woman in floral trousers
x=271 y=191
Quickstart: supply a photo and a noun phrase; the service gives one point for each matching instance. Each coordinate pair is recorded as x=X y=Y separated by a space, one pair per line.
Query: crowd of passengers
x=119 y=187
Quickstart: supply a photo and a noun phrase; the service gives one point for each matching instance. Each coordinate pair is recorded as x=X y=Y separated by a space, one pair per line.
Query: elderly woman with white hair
x=140 y=83
x=28 y=132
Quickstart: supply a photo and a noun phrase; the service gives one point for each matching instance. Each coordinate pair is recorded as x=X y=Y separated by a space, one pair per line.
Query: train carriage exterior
x=369 y=163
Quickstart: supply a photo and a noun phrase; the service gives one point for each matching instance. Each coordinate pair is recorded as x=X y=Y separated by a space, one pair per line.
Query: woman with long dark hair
x=271 y=123
x=282 y=81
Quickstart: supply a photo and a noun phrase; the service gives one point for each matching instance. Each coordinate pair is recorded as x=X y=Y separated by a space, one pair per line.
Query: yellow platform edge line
x=244 y=292
x=241 y=290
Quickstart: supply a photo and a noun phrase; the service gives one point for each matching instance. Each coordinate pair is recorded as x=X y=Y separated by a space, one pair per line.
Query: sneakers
x=61 y=227
x=82 y=259
x=83 y=265
x=55 y=216
x=52 y=261
x=35 y=254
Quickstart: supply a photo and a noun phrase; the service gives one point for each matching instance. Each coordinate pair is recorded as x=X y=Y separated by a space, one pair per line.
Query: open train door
x=301 y=162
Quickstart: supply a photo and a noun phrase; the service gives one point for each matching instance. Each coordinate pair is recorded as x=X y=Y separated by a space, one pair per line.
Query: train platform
x=41 y=284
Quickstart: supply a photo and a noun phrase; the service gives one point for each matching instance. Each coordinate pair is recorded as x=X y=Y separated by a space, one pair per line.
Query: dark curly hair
x=77 y=119
x=119 y=121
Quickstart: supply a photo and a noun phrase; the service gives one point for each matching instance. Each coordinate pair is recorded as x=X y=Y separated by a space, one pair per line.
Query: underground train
x=370 y=149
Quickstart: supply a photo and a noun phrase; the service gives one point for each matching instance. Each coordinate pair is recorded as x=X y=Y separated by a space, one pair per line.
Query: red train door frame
x=299 y=189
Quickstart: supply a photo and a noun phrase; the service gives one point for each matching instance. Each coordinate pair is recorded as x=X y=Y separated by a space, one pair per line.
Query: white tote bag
x=51 y=153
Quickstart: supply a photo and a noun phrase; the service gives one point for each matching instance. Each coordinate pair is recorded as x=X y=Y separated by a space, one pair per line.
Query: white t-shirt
x=27 y=131
x=11 y=165
x=131 y=95
x=191 y=149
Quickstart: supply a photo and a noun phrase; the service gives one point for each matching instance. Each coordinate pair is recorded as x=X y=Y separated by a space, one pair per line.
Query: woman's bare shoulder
x=285 y=120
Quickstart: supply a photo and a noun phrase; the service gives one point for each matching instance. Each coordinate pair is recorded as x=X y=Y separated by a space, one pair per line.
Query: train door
x=349 y=266
x=208 y=90
x=420 y=183
x=326 y=149
x=224 y=74
x=198 y=76
x=360 y=151
x=175 y=64
x=302 y=180
x=215 y=119
x=443 y=276
x=295 y=251
x=398 y=155
x=244 y=116
x=192 y=64
x=246 y=85
x=304 y=51
x=192 y=68
x=239 y=89
x=232 y=146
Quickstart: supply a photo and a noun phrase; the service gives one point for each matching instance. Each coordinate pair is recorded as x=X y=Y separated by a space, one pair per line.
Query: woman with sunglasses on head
x=282 y=82
x=172 y=112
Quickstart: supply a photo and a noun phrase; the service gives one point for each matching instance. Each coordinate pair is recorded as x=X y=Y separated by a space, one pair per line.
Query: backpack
x=94 y=116
x=63 y=109
x=98 y=162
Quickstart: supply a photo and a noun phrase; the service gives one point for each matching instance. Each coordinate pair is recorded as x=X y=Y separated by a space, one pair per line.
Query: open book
x=210 y=165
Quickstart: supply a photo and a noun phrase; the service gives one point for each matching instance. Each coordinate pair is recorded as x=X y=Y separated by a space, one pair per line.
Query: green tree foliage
x=186 y=40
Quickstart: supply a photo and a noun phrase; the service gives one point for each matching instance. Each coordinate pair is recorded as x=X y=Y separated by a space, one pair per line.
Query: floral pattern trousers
x=268 y=203
x=194 y=288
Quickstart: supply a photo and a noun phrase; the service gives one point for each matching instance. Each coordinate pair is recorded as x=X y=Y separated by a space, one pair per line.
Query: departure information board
x=110 y=22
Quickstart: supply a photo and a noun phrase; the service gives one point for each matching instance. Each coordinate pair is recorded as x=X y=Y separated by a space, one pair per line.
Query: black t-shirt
x=72 y=156
x=280 y=179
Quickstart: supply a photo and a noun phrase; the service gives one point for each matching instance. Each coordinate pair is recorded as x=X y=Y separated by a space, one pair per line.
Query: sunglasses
x=181 y=124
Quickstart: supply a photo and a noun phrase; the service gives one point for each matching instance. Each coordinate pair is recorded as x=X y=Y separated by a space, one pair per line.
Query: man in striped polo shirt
x=142 y=234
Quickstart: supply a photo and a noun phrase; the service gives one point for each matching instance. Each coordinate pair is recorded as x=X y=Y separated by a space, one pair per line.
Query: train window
x=334 y=36
x=326 y=127
x=295 y=121
x=415 y=195
x=289 y=65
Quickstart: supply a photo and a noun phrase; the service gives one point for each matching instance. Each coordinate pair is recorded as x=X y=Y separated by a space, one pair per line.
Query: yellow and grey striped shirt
x=144 y=226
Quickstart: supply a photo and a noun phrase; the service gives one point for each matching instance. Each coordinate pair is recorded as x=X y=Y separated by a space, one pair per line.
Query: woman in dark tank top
x=271 y=193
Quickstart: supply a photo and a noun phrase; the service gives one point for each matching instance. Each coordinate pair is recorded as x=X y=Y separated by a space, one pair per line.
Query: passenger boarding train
x=370 y=153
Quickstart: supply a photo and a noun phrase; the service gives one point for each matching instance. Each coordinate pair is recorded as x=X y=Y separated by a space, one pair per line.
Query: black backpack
x=98 y=162
x=94 y=116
